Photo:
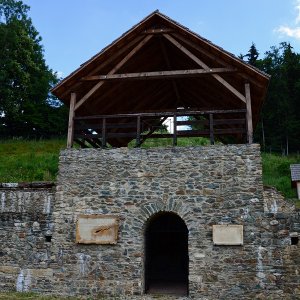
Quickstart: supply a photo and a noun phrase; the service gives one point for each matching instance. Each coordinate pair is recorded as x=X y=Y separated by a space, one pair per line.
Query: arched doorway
x=166 y=255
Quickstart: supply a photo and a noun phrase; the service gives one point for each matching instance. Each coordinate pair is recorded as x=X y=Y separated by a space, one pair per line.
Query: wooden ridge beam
x=204 y=66
x=113 y=70
x=160 y=74
x=158 y=31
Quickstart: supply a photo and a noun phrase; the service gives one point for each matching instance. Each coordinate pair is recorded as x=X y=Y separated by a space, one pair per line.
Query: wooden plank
x=157 y=31
x=174 y=130
x=90 y=140
x=165 y=114
x=107 y=61
x=229 y=121
x=108 y=135
x=204 y=66
x=71 y=121
x=154 y=128
x=100 y=126
x=113 y=70
x=216 y=122
x=217 y=59
x=194 y=122
x=138 y=131
x=80 y=143
x=211 y=129
x=103 y=140
x=249 y=113
x=159 y=74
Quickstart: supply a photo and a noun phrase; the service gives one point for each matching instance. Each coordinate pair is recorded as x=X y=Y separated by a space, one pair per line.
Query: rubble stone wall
x=203 y=185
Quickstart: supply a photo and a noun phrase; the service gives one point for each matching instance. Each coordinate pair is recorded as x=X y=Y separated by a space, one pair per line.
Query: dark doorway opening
x=166 y=255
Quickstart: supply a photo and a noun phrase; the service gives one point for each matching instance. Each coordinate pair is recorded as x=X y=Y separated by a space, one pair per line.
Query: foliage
x=279 y=126
x=25 y=79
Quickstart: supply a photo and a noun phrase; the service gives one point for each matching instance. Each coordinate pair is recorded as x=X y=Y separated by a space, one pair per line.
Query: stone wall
x=26 y=228
x=203 y=185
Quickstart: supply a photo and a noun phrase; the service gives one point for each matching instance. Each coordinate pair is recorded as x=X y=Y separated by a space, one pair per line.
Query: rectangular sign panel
x=228 y=234
x=96 y=229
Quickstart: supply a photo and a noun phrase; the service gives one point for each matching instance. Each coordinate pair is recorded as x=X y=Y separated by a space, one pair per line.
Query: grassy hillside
x=29 y=160
x=38 y=161
x=276 y=172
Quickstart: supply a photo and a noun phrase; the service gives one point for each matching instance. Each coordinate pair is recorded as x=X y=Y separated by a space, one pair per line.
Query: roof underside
x=159 y=94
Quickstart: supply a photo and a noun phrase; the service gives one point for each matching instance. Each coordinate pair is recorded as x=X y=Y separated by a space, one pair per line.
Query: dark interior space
x=166 y=261
x=294 y=240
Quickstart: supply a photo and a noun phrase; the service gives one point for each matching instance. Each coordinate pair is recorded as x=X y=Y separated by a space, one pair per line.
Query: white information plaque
x=228 y=234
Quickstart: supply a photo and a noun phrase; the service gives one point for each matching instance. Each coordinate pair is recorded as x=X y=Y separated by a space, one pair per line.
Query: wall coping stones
x=27 y=185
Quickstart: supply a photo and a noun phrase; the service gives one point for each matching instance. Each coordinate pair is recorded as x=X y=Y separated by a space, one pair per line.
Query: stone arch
x=166 y=259
x=147 y=210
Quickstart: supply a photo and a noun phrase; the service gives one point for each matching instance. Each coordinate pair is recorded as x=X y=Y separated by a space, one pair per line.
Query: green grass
x=22 y=160
x=31 y=296
x=181 y=142
x=35 y=296
x=276 y=172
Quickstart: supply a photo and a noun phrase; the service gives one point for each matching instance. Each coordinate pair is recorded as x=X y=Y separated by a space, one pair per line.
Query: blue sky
x=75 y=30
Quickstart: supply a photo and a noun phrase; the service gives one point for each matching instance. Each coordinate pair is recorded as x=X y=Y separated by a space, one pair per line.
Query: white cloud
x=297 y=21
x=288 y=31
x=291 y=31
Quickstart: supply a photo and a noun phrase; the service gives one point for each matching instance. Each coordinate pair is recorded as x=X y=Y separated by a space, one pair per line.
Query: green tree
x=252 y=55
x=279 y=127
x=25 y=79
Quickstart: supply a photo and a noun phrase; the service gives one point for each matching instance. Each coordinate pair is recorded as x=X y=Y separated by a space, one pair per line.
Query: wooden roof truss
x=161 y=71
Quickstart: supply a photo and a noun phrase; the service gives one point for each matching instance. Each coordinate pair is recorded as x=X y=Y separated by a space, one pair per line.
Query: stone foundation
x=205 y=186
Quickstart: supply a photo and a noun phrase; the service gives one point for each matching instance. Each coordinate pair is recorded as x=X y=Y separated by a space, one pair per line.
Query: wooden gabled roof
x=160 y=65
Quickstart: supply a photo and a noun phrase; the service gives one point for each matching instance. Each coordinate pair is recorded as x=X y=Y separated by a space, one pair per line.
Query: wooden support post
x=71 y=121
x=174 y=130
x=249 y=114
x=103 y=133
x=211 y=129
x=138 y=131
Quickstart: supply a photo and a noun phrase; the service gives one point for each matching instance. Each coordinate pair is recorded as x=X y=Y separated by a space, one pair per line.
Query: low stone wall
x=26 y=228
x=205 y=186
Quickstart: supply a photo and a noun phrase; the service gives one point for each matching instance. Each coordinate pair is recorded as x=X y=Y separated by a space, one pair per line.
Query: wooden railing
x=97 y=130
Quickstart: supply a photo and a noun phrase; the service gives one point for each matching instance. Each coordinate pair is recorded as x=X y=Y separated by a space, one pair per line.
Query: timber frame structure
x=159 y=69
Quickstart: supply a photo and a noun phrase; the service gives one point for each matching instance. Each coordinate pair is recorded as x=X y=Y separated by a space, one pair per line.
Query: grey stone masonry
x=205 y=186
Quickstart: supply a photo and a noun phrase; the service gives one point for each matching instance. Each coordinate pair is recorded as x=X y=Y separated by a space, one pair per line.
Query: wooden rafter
x=107 y=61
x=160 y=74
x=113 y=70
x=204 y=66
x=213 y=57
